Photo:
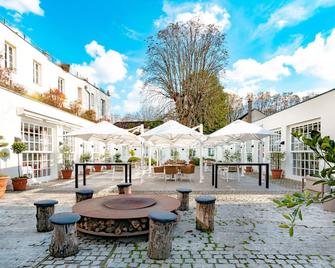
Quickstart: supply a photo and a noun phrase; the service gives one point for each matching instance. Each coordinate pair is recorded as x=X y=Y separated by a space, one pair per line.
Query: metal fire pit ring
x=99 y=216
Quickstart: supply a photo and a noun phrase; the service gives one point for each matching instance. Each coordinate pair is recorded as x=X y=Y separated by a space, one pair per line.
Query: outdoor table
x=127 y=167
x=260 y=165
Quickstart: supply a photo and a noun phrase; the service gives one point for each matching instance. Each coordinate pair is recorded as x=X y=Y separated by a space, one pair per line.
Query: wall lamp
x=282 y=143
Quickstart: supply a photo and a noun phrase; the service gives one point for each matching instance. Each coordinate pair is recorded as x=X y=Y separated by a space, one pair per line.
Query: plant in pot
x=108 y=159
x=249 y=160
x=67 y=163
x=117 y=158
x=84 y=158
x=20 y=182
x=4 y=155
x=276 y=158
x=97 y=168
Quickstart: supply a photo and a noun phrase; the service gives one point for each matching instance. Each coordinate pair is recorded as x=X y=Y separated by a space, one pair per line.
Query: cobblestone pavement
x=246 y=235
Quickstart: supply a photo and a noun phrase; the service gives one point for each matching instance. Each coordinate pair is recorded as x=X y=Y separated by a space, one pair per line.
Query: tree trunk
x=42 y=216
x=160 y=240
x=184 y=201
x=205 y=217
x=82 y=197
x=64 y=241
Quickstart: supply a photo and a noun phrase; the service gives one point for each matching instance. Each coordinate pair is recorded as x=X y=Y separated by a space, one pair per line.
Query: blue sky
x=273 y=45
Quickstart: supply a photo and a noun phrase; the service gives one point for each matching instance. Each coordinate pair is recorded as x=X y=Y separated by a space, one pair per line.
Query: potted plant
x=84 y=158
x=4 y=154
x=108 y=159
x=249 y=160
x=276 y=158
x=97 y=168
x=67 y=163
x=20 y=182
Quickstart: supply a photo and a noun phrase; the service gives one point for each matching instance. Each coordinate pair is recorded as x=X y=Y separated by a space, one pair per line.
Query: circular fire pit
x=121 y=215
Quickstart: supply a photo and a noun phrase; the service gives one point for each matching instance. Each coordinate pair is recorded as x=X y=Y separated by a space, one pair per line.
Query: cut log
x=84 y=194
x=183 y=197
x=64 y=241
x=205 y=209
x=42 y=219
x=124 y=188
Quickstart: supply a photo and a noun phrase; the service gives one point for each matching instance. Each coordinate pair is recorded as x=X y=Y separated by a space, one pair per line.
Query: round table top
x=96 y=208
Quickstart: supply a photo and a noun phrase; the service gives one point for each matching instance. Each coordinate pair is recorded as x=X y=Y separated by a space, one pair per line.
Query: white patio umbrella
x=106 y=132
x=238 y=131
x=174 y=134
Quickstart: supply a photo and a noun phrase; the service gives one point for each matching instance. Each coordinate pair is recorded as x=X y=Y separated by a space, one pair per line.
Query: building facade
x=43 y=127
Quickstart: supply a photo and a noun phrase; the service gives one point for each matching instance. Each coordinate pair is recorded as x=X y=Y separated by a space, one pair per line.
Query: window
x=275 y=140
x=69 y=141
x=38 y=157
x=37 y=73
x=88 y=99
x=304 y=162
x=61 y=84
x=80 y=94
x=211 y=152
x=103 y=107
x=92 y=101
x=10 y=60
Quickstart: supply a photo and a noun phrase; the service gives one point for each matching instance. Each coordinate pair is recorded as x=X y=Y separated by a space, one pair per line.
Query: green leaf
x=291 y=231
x=287 y=216
x=300 y=215
x=283 y=225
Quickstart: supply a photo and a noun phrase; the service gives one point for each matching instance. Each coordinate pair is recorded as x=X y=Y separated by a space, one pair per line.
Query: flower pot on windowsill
x=3 y=185
x=276 y=173
x=97 y=168
x=19 y=184
x=66 y=174
x=248 y=169
x=329 y=205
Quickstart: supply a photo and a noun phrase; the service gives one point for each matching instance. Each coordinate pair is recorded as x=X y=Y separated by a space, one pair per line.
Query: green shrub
x=134 y=159
x=195 y=161
x=18 y=147
x=153 y=161
x=85 y=157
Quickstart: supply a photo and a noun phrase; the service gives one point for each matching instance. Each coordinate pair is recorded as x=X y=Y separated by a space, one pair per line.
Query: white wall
x=25 y=54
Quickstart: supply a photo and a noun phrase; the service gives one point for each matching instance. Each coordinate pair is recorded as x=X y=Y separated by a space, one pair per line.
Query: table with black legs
x=260 y=166
x=127 y=171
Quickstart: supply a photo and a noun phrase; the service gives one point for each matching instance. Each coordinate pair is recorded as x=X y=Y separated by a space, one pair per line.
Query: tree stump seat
x=83 y=194
x=183 y=197
x=124 y=188
x=44 y=210
x=64 y=241
x=161 y=226
x=205 y=209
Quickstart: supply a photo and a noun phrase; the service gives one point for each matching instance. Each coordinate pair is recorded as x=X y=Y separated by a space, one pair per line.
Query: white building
x=40 y=125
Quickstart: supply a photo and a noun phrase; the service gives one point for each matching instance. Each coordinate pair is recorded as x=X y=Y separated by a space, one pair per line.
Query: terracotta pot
x=97 y=168
x=108 y=167
x=87 y=171
x=248 y=169
x=66 y=174
x=329 y=205
x=3 y=185
x=276 y=173
x=20 y=184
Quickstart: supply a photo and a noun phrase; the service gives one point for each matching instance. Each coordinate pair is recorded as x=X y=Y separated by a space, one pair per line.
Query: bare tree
x=235 y=106
x=181 y=59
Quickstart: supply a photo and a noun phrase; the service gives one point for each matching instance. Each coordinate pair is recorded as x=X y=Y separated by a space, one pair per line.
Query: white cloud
x=291 y=14
x=207 y=13
x=23 y=6
x=139 y=72
x=316 y=59
x=107 y=66
x=133 y=102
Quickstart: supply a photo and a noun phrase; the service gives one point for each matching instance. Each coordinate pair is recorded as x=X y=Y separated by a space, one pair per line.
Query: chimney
x=249 y=116
x=65 y=67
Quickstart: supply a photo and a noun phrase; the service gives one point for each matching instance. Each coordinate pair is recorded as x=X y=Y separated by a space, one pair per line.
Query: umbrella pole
x=149 y=160
x=243 y=157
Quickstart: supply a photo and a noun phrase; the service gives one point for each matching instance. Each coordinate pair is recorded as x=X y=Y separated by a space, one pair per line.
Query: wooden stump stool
x=64 y=241
x=44 y=210
x=160 y=234
x=205 y=213
x=84 y=194
x=183 y=197
x=124 y=188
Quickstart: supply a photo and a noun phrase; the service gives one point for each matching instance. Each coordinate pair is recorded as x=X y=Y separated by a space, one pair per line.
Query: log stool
x=44 y=210
x=84 y=194
x=64 y=241
x=124 y=188
x=183 y=197
x=205 y=213
x=160 y=234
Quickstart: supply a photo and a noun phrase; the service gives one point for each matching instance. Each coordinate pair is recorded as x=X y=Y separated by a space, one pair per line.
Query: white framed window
x=37 y=68
x=274 y=142
x=10 y=56
x=61 y=84
x=211 y=152
x=92 y=101
x=69 y=141
x=304 y=162
x=38 y=157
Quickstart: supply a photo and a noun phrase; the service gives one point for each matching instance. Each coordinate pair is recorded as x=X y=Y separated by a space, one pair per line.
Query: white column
x=201 y=158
